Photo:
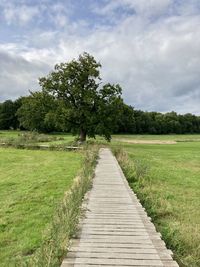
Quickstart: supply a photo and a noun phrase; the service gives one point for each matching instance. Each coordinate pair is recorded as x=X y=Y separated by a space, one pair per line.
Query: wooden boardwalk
x=116 y=230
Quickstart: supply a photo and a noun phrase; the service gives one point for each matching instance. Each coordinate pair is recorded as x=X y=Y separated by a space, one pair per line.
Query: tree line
x=73 y=99
x=130 y=120
x=142 y=122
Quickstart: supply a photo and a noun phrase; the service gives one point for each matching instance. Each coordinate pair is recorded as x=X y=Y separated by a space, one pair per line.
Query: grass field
x=8 y=134
x=167 y=180
x=166 y=177
x=32 y=183
x=163 y=137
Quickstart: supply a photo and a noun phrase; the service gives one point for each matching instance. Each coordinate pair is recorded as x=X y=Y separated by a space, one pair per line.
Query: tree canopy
x=83 y=107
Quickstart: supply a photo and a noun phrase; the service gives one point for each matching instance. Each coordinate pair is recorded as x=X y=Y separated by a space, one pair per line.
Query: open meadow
x=157 y=137
x=166 y=179
x=32 y=185
x=164 y=171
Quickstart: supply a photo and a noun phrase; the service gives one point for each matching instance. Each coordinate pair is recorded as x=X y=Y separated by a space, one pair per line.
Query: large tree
x=83 y=107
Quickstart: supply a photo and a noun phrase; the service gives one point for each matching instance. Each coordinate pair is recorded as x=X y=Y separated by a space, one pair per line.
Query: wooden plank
x=113 y=255
x=114 y=249
x=119 y=262
x=85 y=243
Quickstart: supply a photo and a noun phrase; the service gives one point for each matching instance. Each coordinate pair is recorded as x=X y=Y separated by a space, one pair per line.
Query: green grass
x=67 y=138
x=165 y=177
x=170 y=191
x=164 y=137
x=32 y=184
x=9 y=134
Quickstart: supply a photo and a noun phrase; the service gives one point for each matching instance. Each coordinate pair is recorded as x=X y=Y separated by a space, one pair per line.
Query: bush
x=34 y=137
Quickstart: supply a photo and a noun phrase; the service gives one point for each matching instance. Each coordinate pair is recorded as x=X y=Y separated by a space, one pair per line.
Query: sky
x=150 y=47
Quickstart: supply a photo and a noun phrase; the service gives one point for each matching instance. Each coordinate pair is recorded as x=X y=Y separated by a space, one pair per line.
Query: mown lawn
x=32 y=184
x=171 y=193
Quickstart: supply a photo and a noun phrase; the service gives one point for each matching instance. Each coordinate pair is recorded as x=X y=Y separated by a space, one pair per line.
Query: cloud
x=20 y=14
x=156 y=64
x=18 y=75
x=152 y=51
x=35 y=13
x=142 y=8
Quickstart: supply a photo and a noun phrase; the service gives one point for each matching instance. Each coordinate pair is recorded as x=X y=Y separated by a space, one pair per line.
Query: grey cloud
x=157 y=63
x=18 y=75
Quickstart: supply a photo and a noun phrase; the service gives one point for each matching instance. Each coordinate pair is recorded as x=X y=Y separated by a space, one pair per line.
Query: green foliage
x=83 y=108
x=140 y=122
x=8 y=119
x=34 y=113
x=126 y=120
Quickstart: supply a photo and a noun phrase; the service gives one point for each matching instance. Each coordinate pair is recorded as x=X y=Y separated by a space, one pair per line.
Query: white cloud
x=20 y=14
x=150 y=7
x=156 y=62
x=140 y=7
x=23 y=13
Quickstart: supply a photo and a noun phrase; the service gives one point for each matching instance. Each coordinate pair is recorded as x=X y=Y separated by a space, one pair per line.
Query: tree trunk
x=82 y=136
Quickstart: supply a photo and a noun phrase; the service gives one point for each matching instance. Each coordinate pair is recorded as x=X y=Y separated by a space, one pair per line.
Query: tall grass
x=35 y=141
x=29 y=137
x=164 y=203
x=65 y=221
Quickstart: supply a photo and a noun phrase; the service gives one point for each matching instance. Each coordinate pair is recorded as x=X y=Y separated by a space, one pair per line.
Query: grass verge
x=166 y=180
x=66 y=218
x=37 y=217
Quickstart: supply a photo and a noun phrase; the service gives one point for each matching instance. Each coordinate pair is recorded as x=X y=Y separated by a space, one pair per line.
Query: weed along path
x=116 y=230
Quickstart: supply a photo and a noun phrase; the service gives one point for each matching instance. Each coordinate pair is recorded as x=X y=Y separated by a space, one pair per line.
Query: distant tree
x=83 y=108
x=35 y=112
x=159 y=123
x=190 y=123
x=8 y=118
x=140 y=121
x=126 y=120
x=17 y=105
